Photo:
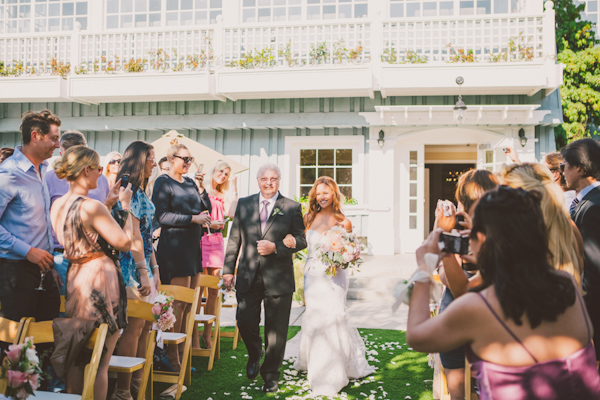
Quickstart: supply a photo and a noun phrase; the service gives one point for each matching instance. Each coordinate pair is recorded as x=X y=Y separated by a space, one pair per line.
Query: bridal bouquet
x=339 y=249
x=22 y=370
x=163 y=311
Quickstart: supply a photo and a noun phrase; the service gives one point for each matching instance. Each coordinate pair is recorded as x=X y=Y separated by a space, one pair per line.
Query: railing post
x=218 y=52
x=75 y=48
x=549 y=33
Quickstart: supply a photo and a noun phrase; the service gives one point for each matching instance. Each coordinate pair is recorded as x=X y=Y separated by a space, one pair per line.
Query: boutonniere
x=276 y=211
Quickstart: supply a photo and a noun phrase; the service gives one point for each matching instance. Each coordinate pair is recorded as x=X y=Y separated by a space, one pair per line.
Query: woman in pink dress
x=222 y=191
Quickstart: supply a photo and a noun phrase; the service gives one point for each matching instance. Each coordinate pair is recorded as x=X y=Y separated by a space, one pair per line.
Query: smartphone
x=125 y=180
x=200 y=168
x=505 y=149
x=454 y=244
x=457 y=226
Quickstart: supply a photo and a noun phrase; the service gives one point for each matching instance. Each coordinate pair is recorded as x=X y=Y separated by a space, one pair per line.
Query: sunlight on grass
x=401 y=374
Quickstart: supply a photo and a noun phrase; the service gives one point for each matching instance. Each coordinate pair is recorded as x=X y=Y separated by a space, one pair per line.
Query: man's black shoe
x=270 y=387
x=253 y=367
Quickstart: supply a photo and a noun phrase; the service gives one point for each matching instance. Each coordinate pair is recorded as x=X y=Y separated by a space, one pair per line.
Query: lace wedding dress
x=327 y=347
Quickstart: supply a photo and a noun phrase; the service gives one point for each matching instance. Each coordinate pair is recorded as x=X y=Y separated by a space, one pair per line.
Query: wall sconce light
x=522 y=138
x=381 y=139
x=460 y=107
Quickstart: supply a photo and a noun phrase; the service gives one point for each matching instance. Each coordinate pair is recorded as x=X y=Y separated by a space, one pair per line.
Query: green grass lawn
x=401 y=374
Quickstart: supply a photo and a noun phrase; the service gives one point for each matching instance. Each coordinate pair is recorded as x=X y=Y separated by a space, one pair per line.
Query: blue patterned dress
x=143 y=209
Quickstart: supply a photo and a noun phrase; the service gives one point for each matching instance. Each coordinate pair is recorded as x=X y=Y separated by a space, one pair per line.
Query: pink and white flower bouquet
x=22 y=370
x=339 y=249
x=163 y=311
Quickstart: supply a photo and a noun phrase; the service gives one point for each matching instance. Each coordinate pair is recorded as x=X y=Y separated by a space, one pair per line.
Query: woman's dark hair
x=6 y=152
x=584 y=153
x=472 y=185
x=515 y=258
x=133 y=163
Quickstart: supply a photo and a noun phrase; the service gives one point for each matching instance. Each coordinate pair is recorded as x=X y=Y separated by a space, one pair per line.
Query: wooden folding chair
x=189 y=296
x=10 y=332
x=42 y=333
x=142 y=310
x=211 y=282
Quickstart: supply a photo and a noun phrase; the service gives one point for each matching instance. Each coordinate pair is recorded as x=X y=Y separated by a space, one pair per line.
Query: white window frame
x=33 y=19
x=293 y=144
x=513 y=7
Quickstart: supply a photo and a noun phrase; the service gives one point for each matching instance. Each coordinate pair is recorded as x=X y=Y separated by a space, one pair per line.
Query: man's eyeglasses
x=561 y=167
x=272 y=180
x=166 y=169
x=187 y=160
x=115 y=161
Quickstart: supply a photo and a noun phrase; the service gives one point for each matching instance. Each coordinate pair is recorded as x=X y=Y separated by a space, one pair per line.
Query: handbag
x=121 y=217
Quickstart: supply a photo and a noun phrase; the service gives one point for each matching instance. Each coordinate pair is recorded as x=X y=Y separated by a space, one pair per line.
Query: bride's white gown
x=330 y=350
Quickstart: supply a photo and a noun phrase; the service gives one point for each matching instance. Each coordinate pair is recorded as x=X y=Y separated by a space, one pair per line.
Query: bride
x=330 y=350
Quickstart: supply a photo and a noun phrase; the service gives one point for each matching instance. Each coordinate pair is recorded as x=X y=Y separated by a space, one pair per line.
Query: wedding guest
x=179 y=210
x=471 y=186
x=112 y=161
x=25 y=229
x=58 y=187
x=581 y=170
x=5 y=152
x=164 y=165
x=564 y=240
x=553 y=161
x=94 y=287
x=139 y=267
x=525 y=330
x=223 y=201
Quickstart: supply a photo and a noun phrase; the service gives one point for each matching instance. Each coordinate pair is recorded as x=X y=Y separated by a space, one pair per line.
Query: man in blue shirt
x=25 y=230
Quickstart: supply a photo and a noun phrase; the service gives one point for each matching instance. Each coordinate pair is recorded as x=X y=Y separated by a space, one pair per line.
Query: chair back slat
x=180 y=293
x=140 y=309
x=209 y=281
x=10 y=331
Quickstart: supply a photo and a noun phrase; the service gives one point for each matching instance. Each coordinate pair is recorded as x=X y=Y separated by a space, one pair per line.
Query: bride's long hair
x=313 y=206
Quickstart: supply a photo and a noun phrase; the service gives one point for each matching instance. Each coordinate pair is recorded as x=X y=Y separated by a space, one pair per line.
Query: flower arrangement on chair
x=22 y=370
x=163 y=313
x=339 y=249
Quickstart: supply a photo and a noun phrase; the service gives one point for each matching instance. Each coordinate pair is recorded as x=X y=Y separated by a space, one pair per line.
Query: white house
x=362 y=90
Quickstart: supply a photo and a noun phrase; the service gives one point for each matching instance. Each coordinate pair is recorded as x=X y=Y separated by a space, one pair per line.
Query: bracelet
x=155 y=267
x=140 y=265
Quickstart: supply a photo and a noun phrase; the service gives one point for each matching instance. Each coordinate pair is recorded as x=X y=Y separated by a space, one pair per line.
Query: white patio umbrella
x=201 y=153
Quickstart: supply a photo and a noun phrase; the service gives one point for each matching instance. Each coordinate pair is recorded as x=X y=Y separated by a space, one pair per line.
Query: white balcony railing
x=483 y=39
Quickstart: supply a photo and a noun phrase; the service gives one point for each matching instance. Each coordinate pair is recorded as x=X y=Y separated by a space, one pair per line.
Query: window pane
x=484 y=7
x=40 y=10
x=500 y=6
x=126 y=21
x=126 y=6
x=328 y=12
x=304 y=190
x=187 y=4
x=216 y=3
x=326 y=172
x=412 y=222
x=140 y=20
x=81 y=9
x=112 y=6
x=54 y=10
x=413 y=157
x=308 y=157
x=308 y=176
x=279 y=14
x=201 y=17
x=172 y=5
x=413 y=190
x=83 y=22
x=264 y=14
x=154 y=5
x=313 y=12
x=326 y=157
x=214 y=15
x=413 y=173
x=467 y=8
x=489 y=156
x=344 y=176
x=67 y=9
x=186 y=18
x=249 y=3
x=397 y=10
x=295 y=13
x=429 y=9
x=249 y=15
x=112 y=22
x=141 y=6
x=155 y=19
x=412 y=206
x=360 y=11
x=346 y=191
x=67 y=24
x=343 y=157
x=447 y=7
x=413 y=10
x=345 y=11
x=172 y=19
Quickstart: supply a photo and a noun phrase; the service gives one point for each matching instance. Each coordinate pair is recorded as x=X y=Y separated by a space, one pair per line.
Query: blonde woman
x=564 y=240
x=95 y=288
x=112 y=161
x=221 y=188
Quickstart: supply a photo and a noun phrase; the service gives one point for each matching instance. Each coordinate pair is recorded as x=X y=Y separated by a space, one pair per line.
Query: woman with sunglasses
x=111 y=166
x=181 y=211
x=525 y=329
x=139 y=267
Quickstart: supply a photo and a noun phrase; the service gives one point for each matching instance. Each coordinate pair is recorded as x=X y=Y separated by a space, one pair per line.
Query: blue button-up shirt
x=24 y=208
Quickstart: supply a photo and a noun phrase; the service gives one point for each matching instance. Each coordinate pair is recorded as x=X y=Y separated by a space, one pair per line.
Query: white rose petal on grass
x=408 y=397
x=408 y=384
x=239 y=374
x=233 y=357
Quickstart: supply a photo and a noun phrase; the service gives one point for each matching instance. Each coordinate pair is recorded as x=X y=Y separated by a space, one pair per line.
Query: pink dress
x=213 y=246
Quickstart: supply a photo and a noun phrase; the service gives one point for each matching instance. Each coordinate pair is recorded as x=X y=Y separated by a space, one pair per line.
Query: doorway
x=442 y=185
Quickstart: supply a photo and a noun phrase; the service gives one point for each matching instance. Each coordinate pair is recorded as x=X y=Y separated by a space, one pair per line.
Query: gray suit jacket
x=276 y=269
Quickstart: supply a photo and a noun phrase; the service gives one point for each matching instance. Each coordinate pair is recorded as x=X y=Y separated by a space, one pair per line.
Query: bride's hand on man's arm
x=289 y=241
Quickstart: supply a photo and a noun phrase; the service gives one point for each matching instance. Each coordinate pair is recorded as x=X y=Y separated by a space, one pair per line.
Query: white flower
x=161 y=298
x=32 y=356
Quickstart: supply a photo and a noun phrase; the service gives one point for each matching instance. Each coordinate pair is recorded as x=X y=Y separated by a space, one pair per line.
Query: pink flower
x=14 y=352
x=156 y=309
x=347 y=257
x=16 y=379
x=33 y=381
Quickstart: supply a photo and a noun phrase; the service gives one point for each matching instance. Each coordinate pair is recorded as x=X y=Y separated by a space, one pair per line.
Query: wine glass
x=207 y=224
x=41 y=287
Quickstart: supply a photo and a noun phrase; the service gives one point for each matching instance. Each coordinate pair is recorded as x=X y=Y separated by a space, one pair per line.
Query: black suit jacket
x=276 y=269
x=587 y=219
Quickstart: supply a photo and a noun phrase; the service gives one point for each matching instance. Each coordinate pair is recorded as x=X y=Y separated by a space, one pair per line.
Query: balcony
x=497 y=54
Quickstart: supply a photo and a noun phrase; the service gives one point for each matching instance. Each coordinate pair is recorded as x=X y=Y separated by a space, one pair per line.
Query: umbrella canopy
x=201 y=153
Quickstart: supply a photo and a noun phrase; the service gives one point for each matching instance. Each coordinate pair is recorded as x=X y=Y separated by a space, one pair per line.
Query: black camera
x=454 y=244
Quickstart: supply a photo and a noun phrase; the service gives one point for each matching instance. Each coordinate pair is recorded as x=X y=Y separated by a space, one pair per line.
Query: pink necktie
x=264 y=216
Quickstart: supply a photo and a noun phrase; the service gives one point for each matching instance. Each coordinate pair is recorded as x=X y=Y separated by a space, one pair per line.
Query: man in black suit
x=265 y=271
x=581 y=170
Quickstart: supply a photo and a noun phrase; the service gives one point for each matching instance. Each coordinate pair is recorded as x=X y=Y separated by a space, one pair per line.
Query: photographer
x=471 y=186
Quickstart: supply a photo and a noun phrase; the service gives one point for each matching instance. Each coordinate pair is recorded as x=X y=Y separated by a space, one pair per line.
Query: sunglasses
x=187 y=160
x=116 y=161
x=561 y=166
x=98 y=168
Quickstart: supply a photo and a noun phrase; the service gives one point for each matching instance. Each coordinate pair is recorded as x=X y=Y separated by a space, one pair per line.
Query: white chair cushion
x=173 y=336
x=125 y=362
x=205 y=318
x=51 y=395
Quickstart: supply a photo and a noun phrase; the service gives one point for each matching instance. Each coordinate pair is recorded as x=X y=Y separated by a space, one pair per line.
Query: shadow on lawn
x=401 y=372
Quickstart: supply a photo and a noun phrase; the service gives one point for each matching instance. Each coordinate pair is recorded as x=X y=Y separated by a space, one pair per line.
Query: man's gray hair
x=268 y=167
x=72 y=138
